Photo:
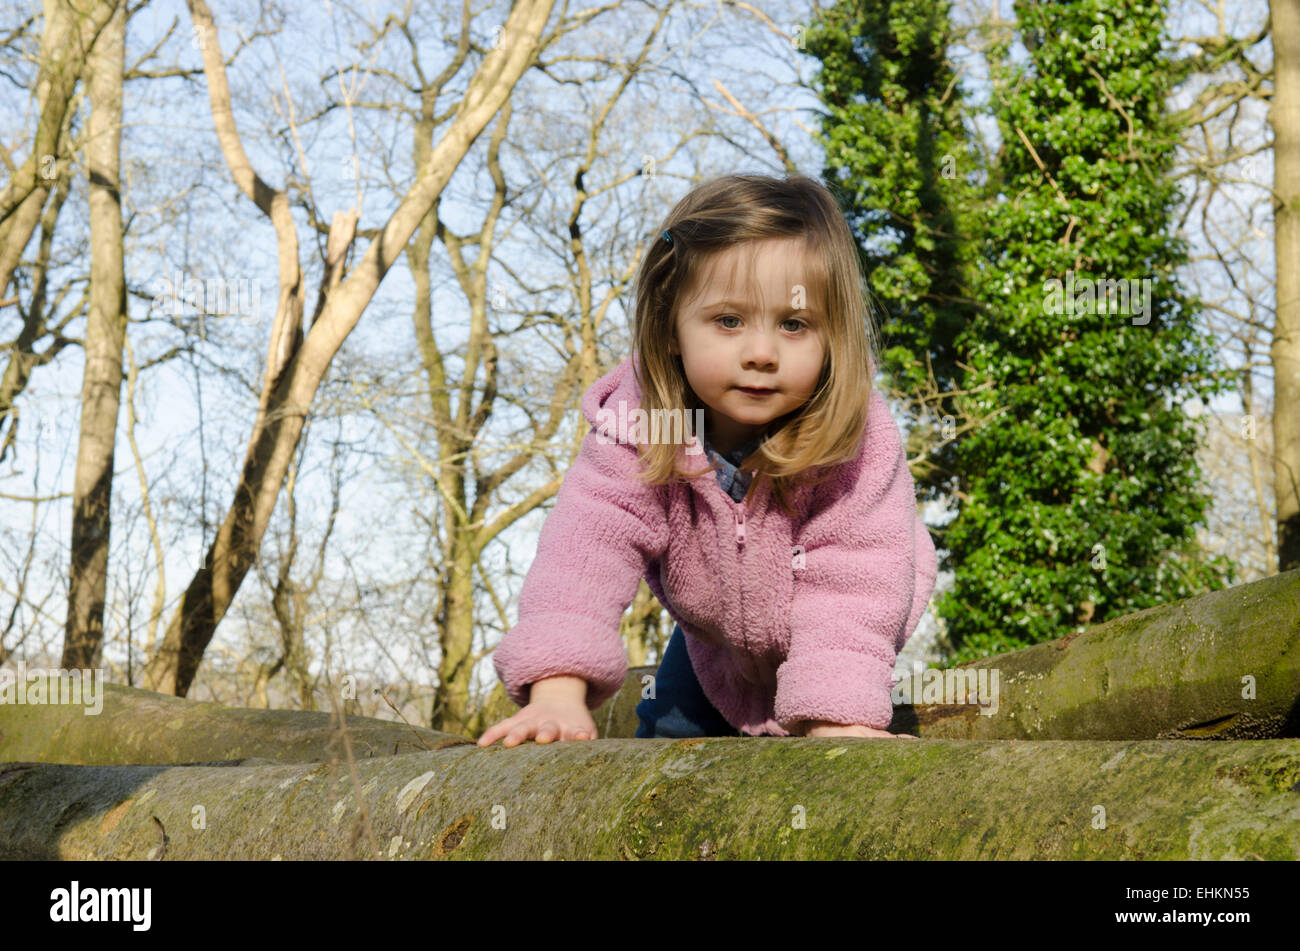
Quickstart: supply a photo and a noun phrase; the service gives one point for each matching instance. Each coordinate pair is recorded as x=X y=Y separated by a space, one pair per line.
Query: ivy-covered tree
x=1043 y=283
x=1082 y=495
x=900 y=159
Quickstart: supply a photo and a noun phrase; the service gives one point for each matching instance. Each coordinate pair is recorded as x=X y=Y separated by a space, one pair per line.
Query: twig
x=1059 y=194
x=364 y=823
x=406 y=721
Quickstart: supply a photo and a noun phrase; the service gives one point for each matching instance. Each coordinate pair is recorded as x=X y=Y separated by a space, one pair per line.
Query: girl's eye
x=798 y=324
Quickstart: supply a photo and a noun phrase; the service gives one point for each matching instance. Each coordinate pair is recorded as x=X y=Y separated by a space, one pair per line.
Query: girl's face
x=754 y=320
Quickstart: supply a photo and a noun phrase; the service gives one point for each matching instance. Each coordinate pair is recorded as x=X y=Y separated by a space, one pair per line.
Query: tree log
x=1224 y=666
x=136 y=726
x=727 y=798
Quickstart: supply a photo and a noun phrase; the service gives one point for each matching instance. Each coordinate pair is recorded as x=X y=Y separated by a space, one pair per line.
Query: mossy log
x=714 y=798
x=1177 y=671
x=140 y=727
x=1223 y=666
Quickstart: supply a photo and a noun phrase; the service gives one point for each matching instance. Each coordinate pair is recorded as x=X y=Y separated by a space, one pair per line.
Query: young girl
x=794 y=565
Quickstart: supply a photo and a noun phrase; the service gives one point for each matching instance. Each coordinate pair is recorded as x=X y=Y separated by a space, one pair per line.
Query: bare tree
x=105 y=333
x=1229 y=207
x=297 y=362
x=35 y=195
x=459 y=423
x=1285 y=352
x=69 y=35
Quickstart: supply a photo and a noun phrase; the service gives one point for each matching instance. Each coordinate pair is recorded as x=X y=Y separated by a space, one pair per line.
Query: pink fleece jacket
x=785 y=619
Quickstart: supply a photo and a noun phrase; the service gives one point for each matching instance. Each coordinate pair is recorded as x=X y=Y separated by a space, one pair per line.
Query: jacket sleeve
x=868 y=572
x=591 y=554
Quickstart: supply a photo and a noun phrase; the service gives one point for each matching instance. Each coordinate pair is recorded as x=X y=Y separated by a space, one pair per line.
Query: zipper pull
x=740 y=525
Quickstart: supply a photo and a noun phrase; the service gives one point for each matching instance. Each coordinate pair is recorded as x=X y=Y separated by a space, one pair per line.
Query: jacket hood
x=619 y=384
x=617 y=388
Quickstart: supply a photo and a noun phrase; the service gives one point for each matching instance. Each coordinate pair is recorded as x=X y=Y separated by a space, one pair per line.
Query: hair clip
x=667 y=237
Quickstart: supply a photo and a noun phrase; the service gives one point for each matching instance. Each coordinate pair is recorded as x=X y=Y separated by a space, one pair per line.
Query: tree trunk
x=139 y=727
x=1284 y=116
x=295 y=372
x=727 y=798
x=450 y=711
x=642 y=628
x=24 y=200
x=69 y=35
x=101 y=385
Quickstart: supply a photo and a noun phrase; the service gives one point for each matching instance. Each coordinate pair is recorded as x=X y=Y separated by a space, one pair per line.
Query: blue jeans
x=679 y=707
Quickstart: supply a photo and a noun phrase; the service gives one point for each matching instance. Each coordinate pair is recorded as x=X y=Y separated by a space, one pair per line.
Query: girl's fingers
x=546 y=731
x=498 y=730
x=517 y=735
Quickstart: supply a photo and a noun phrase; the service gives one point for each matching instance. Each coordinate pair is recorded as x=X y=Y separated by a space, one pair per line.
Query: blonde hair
x=713 y=217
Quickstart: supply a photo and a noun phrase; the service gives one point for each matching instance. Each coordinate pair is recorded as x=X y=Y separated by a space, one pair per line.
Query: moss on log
x=716 y=798
x=137 y=726
x=1224 y=666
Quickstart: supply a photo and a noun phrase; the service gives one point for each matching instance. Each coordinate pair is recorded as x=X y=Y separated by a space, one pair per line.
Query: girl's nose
x=758 y=348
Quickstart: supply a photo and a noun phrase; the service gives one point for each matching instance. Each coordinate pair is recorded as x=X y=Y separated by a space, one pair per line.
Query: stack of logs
x=1167 y=734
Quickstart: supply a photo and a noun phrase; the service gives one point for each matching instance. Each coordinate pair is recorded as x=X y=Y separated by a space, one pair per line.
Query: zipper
x=739 y=511
x=738 y=508
x=740 y=577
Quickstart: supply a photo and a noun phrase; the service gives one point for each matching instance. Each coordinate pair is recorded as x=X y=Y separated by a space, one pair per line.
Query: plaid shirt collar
x=734 y=481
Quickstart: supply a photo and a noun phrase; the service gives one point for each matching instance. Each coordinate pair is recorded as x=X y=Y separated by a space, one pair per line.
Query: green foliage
x=899 y=158
x=1080 y=490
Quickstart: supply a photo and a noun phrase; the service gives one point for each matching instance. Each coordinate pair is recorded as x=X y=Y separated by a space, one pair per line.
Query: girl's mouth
x=755 y=391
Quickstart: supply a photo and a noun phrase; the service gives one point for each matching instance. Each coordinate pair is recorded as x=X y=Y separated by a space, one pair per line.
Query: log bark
x=727 y=798
x=285 y=787
x=139 y=727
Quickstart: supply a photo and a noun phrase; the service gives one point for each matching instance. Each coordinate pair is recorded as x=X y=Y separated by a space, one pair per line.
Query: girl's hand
x=547 y=720
x=826 y=728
